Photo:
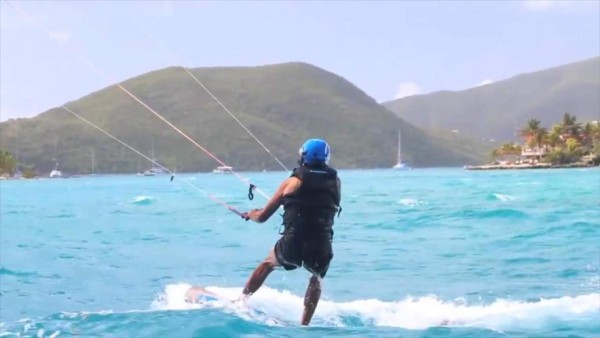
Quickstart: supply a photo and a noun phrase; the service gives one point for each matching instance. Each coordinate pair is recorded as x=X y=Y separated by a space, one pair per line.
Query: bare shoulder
x=290 y=185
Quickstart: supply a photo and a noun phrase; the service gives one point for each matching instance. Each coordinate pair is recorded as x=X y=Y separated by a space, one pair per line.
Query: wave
x=492 y=213
x=411 y=202
x=503 y=197
x=143 y=200
x=16 y=273
x=413 y=313
x=62 y=215
x=14 y=212
x=272 y=312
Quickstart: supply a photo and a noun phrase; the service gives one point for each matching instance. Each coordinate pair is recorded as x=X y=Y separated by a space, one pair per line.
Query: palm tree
x=8 y=163
x=541 y=137
x=554 y=139
x=595 y=135
x=587 y=135
x=570 y=127
x=535 y=136
x=506 y=149
x=517 y=149
x=573 y=145
x=529 y=131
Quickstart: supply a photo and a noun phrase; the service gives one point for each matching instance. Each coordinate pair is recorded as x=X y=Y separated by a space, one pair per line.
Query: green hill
x=281 y=104
x=498 y=110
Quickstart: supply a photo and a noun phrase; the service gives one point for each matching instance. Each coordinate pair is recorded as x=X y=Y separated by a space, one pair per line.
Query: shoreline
x=465 y=167
x=528 y=166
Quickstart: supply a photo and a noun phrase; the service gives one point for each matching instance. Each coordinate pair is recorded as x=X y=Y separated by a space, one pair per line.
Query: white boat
x=399 y=164
x=223 y=170
x=55 y=173
x=155 y=170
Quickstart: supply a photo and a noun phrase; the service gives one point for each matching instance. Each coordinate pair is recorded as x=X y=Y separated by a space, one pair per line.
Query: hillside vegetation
x=497 y=110
x=281 y=104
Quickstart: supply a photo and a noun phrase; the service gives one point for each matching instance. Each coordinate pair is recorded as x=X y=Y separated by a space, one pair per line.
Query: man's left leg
x=260 y=274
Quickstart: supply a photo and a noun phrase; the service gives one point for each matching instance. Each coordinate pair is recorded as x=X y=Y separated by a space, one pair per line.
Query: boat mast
x=399 y=148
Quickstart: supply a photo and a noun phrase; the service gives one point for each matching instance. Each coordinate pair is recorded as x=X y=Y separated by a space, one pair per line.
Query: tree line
x=566 y=142
x=9 y=166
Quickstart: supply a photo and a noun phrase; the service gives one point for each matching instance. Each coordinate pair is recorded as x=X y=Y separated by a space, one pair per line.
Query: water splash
x=414 y=313
x=410 y=202
x=503 y=197
x=143 y=200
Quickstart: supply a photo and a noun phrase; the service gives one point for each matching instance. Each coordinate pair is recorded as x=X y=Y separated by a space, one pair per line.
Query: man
x=311 y=199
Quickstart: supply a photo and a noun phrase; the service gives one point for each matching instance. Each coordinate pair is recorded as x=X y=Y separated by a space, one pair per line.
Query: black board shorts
x=314 y=253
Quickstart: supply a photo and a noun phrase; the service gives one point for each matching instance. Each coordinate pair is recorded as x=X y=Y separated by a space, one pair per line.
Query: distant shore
x=528 y=166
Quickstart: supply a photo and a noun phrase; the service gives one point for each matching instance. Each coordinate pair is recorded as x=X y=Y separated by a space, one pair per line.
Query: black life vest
x=312 y=208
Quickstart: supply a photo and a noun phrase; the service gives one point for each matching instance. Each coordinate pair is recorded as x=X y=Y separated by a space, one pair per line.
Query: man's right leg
x=317 y=255
x=260 y=274
x=284 y=253
x=311 y=299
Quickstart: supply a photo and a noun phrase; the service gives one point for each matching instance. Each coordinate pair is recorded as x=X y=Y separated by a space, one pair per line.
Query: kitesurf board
x=199 y=295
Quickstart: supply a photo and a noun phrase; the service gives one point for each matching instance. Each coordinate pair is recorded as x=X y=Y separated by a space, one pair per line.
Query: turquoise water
x=493 y=254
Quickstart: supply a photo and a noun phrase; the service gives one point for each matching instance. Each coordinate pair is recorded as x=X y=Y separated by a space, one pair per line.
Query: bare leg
x=260 y=274
x=311 y=299
x=192 y=293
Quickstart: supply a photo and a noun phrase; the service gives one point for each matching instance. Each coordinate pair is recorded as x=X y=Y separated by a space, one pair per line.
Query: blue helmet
x=314 y=151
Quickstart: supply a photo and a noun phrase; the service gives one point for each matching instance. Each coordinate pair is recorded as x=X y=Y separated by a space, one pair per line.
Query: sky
x=55 y=52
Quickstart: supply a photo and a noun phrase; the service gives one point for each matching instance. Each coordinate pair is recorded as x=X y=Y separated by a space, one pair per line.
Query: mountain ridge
x=282 y=104
x=572 y=87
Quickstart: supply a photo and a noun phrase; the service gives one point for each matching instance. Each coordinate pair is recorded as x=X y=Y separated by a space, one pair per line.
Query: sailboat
x=55 y=173
x=93 y=162
x=17 y=173
x=154 y=170
x=399 y=164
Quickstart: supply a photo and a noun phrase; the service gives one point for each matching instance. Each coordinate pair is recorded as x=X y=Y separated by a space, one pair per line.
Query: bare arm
x=339 y=188
x=261 y=215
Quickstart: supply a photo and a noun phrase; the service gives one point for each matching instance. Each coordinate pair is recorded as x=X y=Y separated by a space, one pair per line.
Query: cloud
x=539 y=5
x=12 y=19
x=60 y=36
x=407 y=89
x=546 y=5
x=15 y=16
x=11 y=22
x=484 y=82
x=159 y=8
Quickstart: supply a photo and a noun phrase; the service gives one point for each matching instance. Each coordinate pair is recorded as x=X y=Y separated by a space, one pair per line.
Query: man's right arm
x=339 y=191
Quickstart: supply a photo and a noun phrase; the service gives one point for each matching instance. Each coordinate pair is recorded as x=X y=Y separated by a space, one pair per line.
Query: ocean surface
x=425 y=253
